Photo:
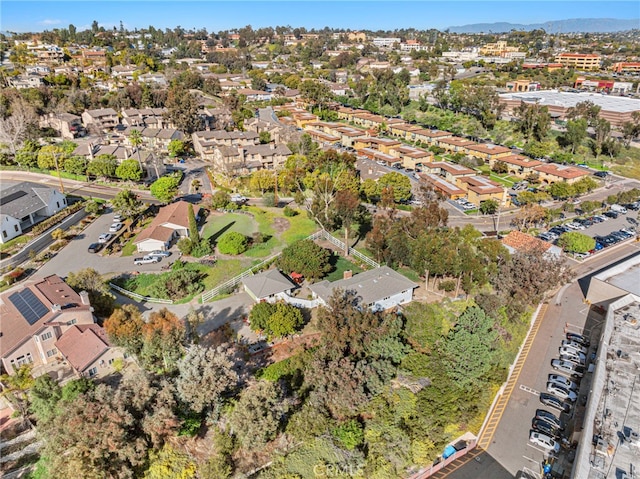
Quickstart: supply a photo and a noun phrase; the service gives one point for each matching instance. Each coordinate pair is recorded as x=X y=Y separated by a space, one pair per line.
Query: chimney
x=84 y=297
x=347 y=274
x=55 y=308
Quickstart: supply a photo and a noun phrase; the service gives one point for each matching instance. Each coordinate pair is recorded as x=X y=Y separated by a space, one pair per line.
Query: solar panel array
x=28 y=305
x=5 y=200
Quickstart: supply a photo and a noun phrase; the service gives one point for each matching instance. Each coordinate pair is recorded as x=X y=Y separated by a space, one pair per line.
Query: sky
x=35 y=16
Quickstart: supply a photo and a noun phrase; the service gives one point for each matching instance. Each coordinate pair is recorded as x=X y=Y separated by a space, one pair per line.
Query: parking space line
x=530 y=460
x=537 y=449
x=529 y=390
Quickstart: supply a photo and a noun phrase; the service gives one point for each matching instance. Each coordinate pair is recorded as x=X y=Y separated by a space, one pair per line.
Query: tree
x=165 y=188
x=127 y=204
x=176 y=148
x=93 y=207
x=170 y=463
x=129 y=170
x=500 y=167
x=561 y=190
x=265 y=137
x=398 y=183
x=233 y=243
x=260 y=315
x=307 y=258
x=50 y=156
x=44 y=396
x=276 y=320
x=576 y=132
x=534 y=121
x=205 y=376
x=27 y=155
x=194 y=234
x=75 y=165
x=163 y=337
x=14 y=128
x=124 y=328
x=220 y=199
x=182 y=109
x=469 y=348
x=263 y=180
x=602 y=129
x=489 y=207
x=103 y=166
x=575 y=242
x=257 y=415
x=347 y=205
x=100 y=296
x=135 y=138
x=16 y=387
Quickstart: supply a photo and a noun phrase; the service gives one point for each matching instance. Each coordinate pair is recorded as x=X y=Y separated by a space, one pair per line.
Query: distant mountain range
x=584 y=25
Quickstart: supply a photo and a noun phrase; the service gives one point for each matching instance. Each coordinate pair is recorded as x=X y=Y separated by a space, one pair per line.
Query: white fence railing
x=139 y=297
x=233 y=282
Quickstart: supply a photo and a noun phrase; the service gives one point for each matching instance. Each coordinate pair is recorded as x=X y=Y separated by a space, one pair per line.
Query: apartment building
x=579 y=61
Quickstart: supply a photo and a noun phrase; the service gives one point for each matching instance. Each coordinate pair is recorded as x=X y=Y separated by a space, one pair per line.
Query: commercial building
x=609 y=443
x=579 y=61
x=614 y=109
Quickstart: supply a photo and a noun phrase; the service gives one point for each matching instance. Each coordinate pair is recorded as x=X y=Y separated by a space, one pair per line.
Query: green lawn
x=216 y=225
x=299 y=228
x=342 y=264
x=507 y=181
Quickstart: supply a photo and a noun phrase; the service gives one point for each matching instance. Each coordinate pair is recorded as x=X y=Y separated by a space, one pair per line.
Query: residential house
x=377 y=289
x=411 y=157
x=172 y=221
x=31 y=80
x=86 y=348
x=480 y=189
x=34 y=316
x=206 y=142
x=268 y=286
x=445 y=188
x=322 y=137
x=145 y=117
x=25 y=204
x=153 y=78
x=156 y=138
x=518 y=241
x=518 y=165
x=454 y=144
x=403 y=131
x=104 y=118
x=255 y=95
x=554 y=173
x=487 y=152
x=69 y=126
x=270 y=156
x=429 y=137
x=383 y=145
x=450 y=171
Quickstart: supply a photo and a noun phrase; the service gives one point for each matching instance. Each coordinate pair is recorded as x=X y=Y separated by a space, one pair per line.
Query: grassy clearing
x=263 y=249
x=410 y=274
x=507 y=181
x=300 y=227
x=239 y=223
x=341 y=265
x=222 y=271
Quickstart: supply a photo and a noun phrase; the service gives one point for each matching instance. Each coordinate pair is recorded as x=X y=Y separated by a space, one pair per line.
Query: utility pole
x=275 y=194
x=55 y=158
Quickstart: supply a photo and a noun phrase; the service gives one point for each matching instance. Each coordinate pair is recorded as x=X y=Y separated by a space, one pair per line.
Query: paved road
x=510 y=446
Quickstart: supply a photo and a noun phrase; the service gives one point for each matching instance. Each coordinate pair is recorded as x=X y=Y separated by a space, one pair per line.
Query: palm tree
x=135 y=138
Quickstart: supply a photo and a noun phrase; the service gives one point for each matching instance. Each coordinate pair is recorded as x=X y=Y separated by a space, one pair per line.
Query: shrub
x=201 y=249
x=58 y=246
x=232 y=242
x=350 y=434
x=269 y=199
x=289 y=212
x=220 y=199
x=185 y=246
x=13 y=276
x=448 y=285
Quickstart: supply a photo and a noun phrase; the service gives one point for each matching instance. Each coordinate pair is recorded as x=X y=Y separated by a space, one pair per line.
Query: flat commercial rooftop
x=563 y=99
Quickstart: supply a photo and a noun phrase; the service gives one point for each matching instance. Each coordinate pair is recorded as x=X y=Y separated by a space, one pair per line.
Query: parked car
x=160 y=253
x=601 y=174
x=550 y=418
x=574 y=358
x=619 y=209
x=117 y=217
x=579 y=338
x=571 y=351
x=104 y=237
x=555 y=402
x=545 y=428
x=115 y=227
x=568 y=368
x=563 y=381
x=146 y=260
x=611 y=214
x=562 y=393
x=94 y=247
x=544 y=441
x=579 y=348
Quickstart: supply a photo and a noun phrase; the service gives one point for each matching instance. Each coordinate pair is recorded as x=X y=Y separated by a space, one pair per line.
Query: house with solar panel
x=47 y=325
x=25 y=204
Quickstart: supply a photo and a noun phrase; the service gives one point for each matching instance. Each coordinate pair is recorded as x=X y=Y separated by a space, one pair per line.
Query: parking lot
x=608 y=229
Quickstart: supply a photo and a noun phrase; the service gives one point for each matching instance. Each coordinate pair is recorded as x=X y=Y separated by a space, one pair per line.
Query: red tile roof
x=83 y=344
x=524 y=242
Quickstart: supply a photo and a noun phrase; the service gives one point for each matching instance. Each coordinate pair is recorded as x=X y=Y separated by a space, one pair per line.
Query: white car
x=561 y=392
x=544 y=441
x=104 y=237
x=571 y=351
x=575 y=346
x=115 y=227
x=146 y=260
x=563 y=381
x=117 y=217
x=574 y=358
